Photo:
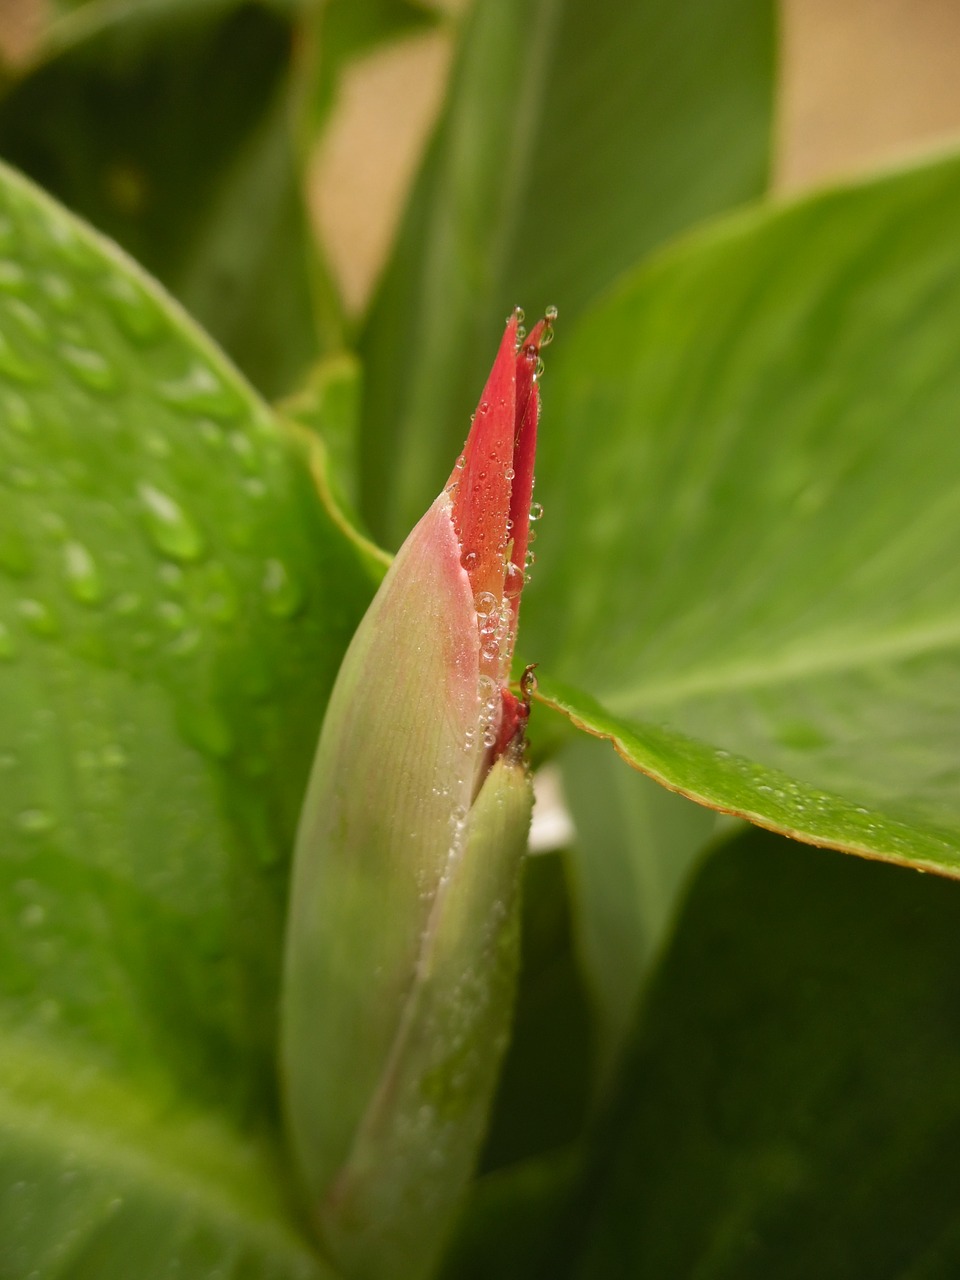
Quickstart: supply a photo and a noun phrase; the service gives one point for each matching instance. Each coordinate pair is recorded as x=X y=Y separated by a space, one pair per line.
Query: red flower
x=492 y=491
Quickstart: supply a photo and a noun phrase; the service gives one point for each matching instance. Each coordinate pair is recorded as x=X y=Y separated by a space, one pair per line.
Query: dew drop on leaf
x=36 y=821
x=281 y=589
x=170 y=529
x=14 y=366
x=39 y=617
x=82 y=574
x=89 y=368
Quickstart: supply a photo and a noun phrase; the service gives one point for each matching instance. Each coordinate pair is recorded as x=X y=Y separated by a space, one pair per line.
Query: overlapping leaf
x=790 y=1108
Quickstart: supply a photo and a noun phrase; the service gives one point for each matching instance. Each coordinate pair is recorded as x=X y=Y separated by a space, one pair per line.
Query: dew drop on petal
x=513 y=581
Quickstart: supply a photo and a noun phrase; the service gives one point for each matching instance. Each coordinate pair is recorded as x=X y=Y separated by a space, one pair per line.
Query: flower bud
x=403 y=929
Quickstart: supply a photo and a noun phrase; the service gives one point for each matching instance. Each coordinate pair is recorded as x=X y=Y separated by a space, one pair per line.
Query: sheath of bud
x=399 y=961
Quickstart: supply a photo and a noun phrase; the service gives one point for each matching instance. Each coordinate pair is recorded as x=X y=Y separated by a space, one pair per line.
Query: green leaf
x=512 y=1220
x=634 y=847
x=541 y=188
x=174 y=604
x=750 y=473
x=791 y=1106
x=167 y=126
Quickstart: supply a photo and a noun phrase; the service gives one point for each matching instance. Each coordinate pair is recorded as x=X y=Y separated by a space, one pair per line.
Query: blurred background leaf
x=791 y=1103
x=540 y=189
x=170 y=126
x=174 y=605
x=635 y=846
x=751 y=477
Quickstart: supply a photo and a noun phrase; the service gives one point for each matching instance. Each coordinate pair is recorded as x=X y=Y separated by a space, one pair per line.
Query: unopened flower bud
x=403 y=930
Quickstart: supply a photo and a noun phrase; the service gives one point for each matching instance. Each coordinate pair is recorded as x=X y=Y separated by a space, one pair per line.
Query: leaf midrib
x=828 y=655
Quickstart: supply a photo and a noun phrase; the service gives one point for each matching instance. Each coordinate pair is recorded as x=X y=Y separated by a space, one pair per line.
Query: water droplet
x=32 y=324
x=8 y=650
x=187 y=642
x=211 y=433
x=157 y=445
x=89 y=368
x=171 y=530
x=13 y=278
x=283 y=593
x=113 y=756
x=469 y=560
x=83 y=577
x=461 y=461
x=518 y=312
x=135 y=311
x=530 y=561
x=486 y=602
x=513 y=581
x=61 y=293
x=127 y=603
x=36 y=821
x=17 y=415
x=34 y=914
x=53 y=525
x=172 y=614
x=22 y=478
x=14 y=366
x=550 y=314
x=41 y=620
x=509 y=473
x=242 y=446
x=201 y=391
x=536 y=511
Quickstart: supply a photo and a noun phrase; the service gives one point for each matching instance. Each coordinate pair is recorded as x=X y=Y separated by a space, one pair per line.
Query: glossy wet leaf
x=169 y=126
x=540 y=188
x=791 y=1106
x=174 y=603
x=751 y=478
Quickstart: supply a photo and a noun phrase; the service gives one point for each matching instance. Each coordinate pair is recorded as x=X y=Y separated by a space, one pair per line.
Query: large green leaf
x=746 y=574
x=792 y=1106
x=576 y=137
x=167 y=124
x=174 y=603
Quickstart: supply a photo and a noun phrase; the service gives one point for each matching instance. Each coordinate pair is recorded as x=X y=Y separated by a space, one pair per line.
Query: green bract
x=401 y=943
